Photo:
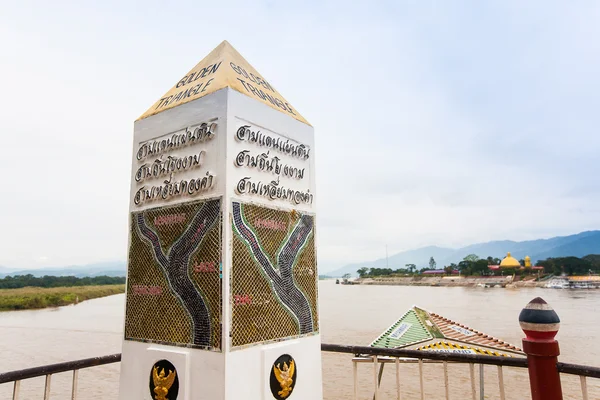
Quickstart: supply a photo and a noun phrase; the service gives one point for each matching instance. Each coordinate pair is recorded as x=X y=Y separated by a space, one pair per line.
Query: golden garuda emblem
x=284 y=377
x=162 y=383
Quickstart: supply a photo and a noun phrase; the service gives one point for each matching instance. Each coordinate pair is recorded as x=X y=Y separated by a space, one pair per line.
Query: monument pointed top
x=223 y=67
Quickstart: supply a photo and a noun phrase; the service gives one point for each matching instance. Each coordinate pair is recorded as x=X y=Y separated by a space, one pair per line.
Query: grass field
x=34 y=297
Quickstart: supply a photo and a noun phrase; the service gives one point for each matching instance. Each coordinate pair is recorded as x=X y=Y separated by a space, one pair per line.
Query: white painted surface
x=462 y=330
x=200 y=373
x=232 y=374
x=400 y=330
x=242 y=110
x=252 y=382
x=210 y=108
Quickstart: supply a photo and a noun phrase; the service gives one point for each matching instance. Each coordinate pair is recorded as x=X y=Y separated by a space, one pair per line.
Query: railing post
x=481 y=383
x=74 y=385
x=47 y=387
x=355 y=374
x=376 y=395
x=540 y=324
x=17 y=387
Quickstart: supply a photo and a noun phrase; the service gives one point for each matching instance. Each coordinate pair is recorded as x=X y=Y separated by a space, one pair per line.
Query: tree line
x=20 y=281
x=589 y=264
x=472 y=265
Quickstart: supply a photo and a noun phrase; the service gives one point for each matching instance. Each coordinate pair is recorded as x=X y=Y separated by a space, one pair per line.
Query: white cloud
x=435 y=124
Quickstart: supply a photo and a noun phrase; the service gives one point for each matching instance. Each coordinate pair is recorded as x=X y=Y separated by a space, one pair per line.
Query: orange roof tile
x=456 y=331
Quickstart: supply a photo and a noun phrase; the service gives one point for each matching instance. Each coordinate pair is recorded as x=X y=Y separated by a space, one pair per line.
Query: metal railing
x=49 y=370
x=403 y=356
x=378 y=356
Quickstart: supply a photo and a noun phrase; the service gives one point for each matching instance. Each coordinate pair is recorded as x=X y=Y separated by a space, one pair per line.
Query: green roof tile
x=407 y=330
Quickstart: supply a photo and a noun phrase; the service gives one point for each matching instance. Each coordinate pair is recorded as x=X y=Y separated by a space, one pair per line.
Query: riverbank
x=450 y=281
x=28 y=298
x=354 y=315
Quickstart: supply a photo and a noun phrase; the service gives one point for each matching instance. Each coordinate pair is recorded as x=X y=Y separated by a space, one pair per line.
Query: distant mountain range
x=578 y=245
x=107 y=268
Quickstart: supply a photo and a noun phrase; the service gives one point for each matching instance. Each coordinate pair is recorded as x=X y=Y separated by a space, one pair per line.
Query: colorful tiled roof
x=420 y=327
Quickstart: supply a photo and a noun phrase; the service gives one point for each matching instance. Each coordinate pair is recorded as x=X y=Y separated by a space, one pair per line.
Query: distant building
x=512 y=263
x=438 y=272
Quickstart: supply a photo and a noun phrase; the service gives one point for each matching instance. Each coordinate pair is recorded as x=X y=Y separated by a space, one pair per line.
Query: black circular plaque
x=284 y=372
x=164 y=382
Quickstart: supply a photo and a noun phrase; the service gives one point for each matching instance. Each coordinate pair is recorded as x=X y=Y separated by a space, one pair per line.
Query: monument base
x=204 y=375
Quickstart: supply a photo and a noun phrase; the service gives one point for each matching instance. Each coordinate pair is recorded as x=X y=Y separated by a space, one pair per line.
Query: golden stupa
x=510 y=262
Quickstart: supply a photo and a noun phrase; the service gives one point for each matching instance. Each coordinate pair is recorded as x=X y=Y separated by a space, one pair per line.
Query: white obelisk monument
x=222 y=284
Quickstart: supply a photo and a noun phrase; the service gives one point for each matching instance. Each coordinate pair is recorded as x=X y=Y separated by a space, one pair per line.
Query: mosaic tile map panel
x=273 y=276
x=174 y=278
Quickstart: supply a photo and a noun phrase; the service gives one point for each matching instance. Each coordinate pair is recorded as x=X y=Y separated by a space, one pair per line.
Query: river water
x=349 y=315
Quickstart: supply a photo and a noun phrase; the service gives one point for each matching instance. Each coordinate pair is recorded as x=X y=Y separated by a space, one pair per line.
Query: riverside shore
x=28 y=298
x=449 y=281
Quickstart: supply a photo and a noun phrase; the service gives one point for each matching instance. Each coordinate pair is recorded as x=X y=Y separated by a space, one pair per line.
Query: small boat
x=582 y=285
x=558 y=284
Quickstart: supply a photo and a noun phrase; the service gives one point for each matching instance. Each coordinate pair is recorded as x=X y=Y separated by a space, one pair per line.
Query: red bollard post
x=540 y=324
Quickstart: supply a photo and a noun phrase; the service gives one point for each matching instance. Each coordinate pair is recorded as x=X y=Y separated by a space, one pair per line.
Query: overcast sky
x=436 y=123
